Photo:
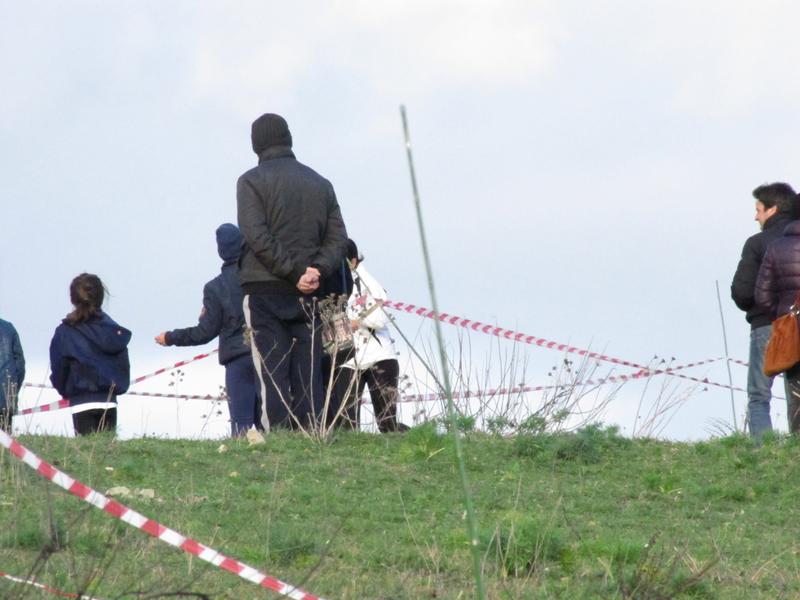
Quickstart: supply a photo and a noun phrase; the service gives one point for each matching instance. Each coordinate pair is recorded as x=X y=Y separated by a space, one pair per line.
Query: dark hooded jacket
x=12 y=362
x=89 y=361
x=743 y=287
x=779 y=278
x=290 y=220
x=222 y=313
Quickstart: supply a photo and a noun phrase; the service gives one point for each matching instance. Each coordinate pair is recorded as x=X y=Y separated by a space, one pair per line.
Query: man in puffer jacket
x=776 y=292
x=12 y=372
x=776 y=207
x=294 y=238
x=222 y=316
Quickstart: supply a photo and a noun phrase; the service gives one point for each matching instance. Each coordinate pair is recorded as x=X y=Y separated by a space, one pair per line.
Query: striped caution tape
x=64 y=403
x=444 y=317
x=694 y=364
x=178 y=396
x=522 y=390
x=175 y=366
x=44 y=587
x=155 y=529
x=533 y=340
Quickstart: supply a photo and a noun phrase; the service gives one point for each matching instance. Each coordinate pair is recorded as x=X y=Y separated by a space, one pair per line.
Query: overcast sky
x=585 y=168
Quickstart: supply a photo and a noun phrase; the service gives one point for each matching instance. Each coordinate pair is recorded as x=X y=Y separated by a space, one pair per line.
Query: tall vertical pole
x=451 y=412
x=727 y=359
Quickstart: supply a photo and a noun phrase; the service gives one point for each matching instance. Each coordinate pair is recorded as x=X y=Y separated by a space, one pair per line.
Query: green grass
x=581 y=515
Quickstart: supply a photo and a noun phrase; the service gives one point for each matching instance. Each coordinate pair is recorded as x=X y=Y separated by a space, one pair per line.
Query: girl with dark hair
x=89 y=358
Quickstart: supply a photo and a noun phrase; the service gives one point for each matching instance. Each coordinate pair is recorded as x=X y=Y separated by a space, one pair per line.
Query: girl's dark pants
x=94 y=420
x=381 y=379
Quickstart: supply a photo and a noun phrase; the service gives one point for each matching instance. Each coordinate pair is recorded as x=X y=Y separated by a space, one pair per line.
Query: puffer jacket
x=12 y=363
x=290 y=220
x=222 y=313
x=372 y=340
x=744 y=281
x=779 y=278
x=89 y=361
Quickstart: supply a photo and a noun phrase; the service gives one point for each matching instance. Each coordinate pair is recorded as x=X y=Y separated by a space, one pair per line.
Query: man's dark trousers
x=288 y=336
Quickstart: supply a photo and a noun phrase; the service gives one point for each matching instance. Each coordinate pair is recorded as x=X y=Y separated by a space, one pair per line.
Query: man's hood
x=104 y=333
x=275 y=152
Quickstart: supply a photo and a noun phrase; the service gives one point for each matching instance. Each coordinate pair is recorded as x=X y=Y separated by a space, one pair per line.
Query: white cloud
x=442 y=43
x=395 y=48
x=741 y=54
x=713 y=57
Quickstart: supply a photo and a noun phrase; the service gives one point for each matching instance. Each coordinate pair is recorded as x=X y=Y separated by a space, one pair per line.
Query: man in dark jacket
x=776 y=207
x=12 y=372
x=294 y=238
x=222 y=316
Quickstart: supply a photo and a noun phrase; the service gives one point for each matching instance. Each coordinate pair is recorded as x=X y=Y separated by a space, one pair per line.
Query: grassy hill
x=580 y=515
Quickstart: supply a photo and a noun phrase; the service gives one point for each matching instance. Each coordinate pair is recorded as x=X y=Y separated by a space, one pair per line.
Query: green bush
x=532 y=445
x=589 y=445
x=526 y=545
x=533 y=425
x=424 y=441
x=499 y=425
x=465 y=424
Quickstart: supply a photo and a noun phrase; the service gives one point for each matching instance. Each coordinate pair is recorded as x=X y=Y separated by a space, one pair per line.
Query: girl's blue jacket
x=90 y=360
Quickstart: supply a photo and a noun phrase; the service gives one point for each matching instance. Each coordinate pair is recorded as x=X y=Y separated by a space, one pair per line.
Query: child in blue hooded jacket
x=223 y=316
x=89 y=358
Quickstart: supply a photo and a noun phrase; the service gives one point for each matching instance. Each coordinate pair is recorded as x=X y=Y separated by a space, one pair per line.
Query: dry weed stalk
x=495 y=395
x=671 y=395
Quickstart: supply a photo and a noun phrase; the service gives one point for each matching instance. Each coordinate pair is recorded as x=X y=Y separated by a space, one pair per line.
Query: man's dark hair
x=777 y=194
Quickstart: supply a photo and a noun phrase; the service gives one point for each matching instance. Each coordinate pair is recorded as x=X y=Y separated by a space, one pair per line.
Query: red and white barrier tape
x=155 y=529
x=177 y=396
x=445 y=318
x=44 y=587
x=696 y=364
x=522 y=390
x=175 y=366
x=63 y=403
x=533 y=340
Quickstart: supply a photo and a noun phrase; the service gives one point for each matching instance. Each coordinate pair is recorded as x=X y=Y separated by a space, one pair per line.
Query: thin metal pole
x=727 y=359
x=473 y=531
